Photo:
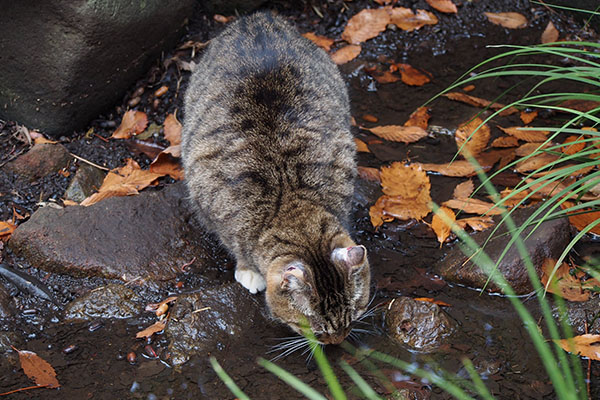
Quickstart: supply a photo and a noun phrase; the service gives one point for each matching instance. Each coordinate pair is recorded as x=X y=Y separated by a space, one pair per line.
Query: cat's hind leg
x=250 y=279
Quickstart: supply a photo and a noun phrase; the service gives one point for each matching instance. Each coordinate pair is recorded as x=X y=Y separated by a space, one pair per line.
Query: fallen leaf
x=124 y=181
x=369 y=174
x=510 y=20
x=37 y=369
x=472 y=206
x=68 y=203
x=587 y=345
x=384 y=77
x=6 y=229
x=412 y=76
x=345 y=54
x=323 y=42
x=475 y=223
x=563 y=283
x=156 y=327
x=550 y=34
x=133 y=122
x=529 y=148
x=471 y=141
x=385 y=2
x=505 y=141
x=580 y=105
x=458 y=168
x=172 y=130
x=576 y=145
x=479 y=102
x=155 y=306
x=361 y=146
x=38 y=138
x=399 y=133
x=222 y=19
x=419 y=117
x=445 y=6
x=469 y=88
x=463 y=190
x=577 y=172
x=441 y=227
x=370 y=118
x=529 y=135
x=166 y=164
x=581 y=221
x=430 y=300
x=535 y=162
x=405 y=19
x=366 y=25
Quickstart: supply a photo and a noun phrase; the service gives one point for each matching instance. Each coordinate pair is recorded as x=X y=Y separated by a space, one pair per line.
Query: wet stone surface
x=547 y=241
x=212 y=318
x=111 y=301
x=418 y=325
x=39 y=161
x=6 y=302
x=86 y=181
x=581 y=315
x=149 y=236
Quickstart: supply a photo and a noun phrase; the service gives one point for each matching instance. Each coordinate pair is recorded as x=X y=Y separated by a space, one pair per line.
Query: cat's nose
x=334 y=338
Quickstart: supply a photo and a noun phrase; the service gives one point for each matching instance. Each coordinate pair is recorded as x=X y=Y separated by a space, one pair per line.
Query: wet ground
x=91 y=357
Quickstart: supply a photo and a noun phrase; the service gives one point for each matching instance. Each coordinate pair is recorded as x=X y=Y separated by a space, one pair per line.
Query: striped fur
x=270 y=167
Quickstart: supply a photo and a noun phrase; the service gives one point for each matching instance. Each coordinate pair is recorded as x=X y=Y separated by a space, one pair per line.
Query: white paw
x=253 y=281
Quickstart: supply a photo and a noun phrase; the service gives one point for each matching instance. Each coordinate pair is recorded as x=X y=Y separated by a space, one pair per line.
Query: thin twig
x=89 y=162
x=23 y=389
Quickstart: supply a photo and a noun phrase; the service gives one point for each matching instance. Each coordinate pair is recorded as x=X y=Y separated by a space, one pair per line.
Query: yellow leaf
x=440 y=226
x=587 y=345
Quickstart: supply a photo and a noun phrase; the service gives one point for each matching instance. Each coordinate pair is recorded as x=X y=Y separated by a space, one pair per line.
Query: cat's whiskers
x=287 y=344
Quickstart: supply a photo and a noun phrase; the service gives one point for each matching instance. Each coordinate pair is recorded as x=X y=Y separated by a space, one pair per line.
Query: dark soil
x=90 y=357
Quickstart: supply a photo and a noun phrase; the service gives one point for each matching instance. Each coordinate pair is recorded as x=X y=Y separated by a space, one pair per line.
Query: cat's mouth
x=333 y=338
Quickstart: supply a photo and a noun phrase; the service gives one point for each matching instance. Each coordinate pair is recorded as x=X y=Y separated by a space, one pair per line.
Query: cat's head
x=328 y=292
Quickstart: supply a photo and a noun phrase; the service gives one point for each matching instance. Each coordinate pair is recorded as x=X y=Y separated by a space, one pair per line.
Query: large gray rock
x=547 y=241
x=147 y=236
x=63 y=62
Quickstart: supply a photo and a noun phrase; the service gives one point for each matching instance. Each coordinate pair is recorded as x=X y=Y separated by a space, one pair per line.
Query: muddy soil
x=91 y=357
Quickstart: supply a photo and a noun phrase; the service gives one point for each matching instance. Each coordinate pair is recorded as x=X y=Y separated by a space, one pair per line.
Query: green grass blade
x=291 y=380
x=479 y=385
x=237 y=392
x=360 y=382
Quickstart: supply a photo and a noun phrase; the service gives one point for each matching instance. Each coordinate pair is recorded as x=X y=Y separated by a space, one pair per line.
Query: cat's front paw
x=251 y=280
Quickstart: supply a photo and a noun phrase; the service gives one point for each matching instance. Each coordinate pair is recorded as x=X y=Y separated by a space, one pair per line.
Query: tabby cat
x=270 y=166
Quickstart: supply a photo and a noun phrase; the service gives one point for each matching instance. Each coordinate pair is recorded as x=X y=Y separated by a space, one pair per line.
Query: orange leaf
x=505 y=141
x=475 y=223
x=399 y=133
x=412 y=76
x=321 y=41
x=361 y=146
x=38 y=369
x=405 y=19
x=587 y=345
x=526 y=135
x=470 y=140
x=419 y=117
x=6 y=229
x=345 y=54
x=469 y=88
x=369 y=174
x=166 y=164
x=463 y=190
x=528 y=117
x=571 y=149
x=472 y=206
x=385 y=77
x=133 y=123
x=581 y=221
x=550 y=34
x=479 y=102
x=156 y=327
x=461 y=168
x=366 y=25
x=430 y=300
x=445 y=6
x=124 y=181
x=511 y=20
x=172 y=130
x=370 y=118
x=563 y=283
x=441 y=227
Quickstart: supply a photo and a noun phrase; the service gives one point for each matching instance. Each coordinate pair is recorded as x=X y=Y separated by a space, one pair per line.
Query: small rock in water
x=420 y=325
x=111 y=301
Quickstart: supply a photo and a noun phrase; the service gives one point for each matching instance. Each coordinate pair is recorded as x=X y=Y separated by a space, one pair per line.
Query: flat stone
x=6 y=303
x=547 y=241
x=214 y=317
x=146 y=236
x=582 y=316
x=86 y=181
x=63 y=62
x=110 y=301
x=39 y=161
x=419 y=325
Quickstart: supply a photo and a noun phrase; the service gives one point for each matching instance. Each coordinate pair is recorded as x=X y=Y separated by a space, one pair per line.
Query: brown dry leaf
x=458 y=168
x=550 y=34
x=580 y=171
x=471 y=141
x=172 y=130
x=463 y=190
x=370 y=118
x=385 y=2
x=419 y=117
x=510 y=20
x=133 y=123
x=440 y=226
x=405 y=19
x=469 y=88
x=124 y=181
x=369 y=174
x=551 y=190
x=581 y=221
x=535 y=162
x=38 y=369
x=528 y=148
x=571 y=149
x=366 y=25
x=385 y=77
x=580 y=105
x=516 y=198
x=505 y=141
x=479 y=102
x=321 y=41
x=412 y=76
x=475 y=223
x=531 y=136
x=528 y=117
x=38 y=138
x=399 y=133
x=156 y=327
x=167 y=164
x=345 y=54
x=445 y=6
x=6 y=229
x=587 y=345
x=563 y=283
x=473 y=206
x=361 y=146
x=434 y=301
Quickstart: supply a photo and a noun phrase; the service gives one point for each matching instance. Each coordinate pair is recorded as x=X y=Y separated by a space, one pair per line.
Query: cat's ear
x=353 y=257
x=294 y=277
